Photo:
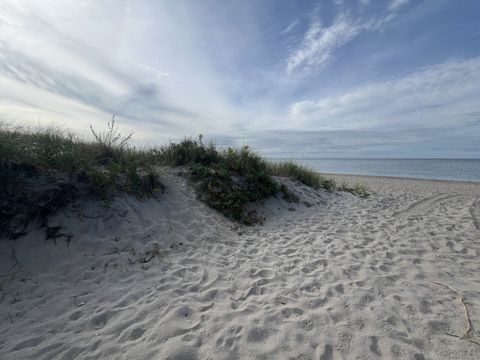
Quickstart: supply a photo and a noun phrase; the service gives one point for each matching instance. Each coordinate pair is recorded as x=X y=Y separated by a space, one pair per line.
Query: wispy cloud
x=155 y=72
x=290 y=27
x=397 y=4
x=319 y=43
x=431 y=96
x=132 y=97
x=450 y=140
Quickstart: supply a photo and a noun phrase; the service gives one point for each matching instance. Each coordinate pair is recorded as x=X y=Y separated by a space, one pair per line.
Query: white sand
x=345 y=278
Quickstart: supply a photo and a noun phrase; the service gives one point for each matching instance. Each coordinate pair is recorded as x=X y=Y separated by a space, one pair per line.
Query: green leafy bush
x=237 y=178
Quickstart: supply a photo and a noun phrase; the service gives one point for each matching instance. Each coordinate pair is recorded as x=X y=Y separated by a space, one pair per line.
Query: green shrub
x=239 y=177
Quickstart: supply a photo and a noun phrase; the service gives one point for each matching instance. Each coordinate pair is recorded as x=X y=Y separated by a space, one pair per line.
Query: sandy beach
x=332 y=277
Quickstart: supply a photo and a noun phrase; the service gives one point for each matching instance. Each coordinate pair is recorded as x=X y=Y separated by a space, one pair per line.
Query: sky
x=332 y=78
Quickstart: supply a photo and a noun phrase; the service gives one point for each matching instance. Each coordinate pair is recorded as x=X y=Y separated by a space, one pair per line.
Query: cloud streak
x=397 y=4
x=319 y=43
x=421 y=142
x=432 y=96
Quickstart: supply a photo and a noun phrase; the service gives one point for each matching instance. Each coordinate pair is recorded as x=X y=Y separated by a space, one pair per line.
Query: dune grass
x=302 y=174
x=188 y=152
x=105 y=165
x=225 y=179
x=357 y=190
x=313 y=179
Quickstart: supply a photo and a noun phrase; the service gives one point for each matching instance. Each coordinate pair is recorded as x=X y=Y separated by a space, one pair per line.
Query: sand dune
x=333 y=277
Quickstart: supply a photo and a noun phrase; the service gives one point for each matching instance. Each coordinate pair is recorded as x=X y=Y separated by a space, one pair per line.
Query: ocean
x=440 y=169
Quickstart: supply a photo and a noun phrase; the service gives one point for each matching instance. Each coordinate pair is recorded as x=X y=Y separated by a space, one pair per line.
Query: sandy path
x=349 y=279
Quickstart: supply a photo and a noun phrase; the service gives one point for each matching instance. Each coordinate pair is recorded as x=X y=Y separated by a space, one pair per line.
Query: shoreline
x=401 y=178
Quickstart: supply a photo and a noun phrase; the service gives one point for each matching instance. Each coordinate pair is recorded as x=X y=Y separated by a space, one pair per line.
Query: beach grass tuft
x=357 y=190
x=302 y=174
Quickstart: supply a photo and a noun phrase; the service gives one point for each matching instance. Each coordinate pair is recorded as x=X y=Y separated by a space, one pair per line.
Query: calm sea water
x=443 y=169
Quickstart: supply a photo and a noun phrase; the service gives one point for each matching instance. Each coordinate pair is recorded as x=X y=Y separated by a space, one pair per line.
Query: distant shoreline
x=354 y=158
x=431 y=169
x=386 y=177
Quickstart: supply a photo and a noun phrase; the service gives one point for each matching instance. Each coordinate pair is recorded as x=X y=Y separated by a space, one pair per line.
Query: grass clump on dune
x=357 y=190
x=301 y=173
x=188 y=152
x=313 y=179
x=106 y=164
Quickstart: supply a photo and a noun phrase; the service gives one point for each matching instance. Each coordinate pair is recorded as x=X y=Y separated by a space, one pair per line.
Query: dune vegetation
x=105 y=164
x=225 y=179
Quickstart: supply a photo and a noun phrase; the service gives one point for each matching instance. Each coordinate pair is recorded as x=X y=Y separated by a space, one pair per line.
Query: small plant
x=143 y=183
x=358 y=190
x=111 y=143
x=101 y=182
x=151 y=254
